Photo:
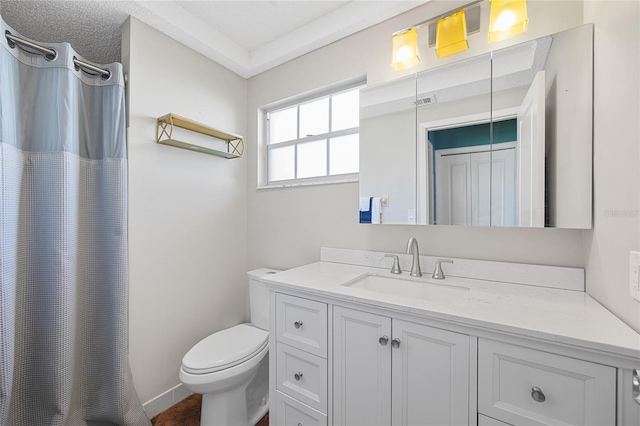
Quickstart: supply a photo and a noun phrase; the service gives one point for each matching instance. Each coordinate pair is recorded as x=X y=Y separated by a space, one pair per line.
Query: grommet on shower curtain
x=51 y=55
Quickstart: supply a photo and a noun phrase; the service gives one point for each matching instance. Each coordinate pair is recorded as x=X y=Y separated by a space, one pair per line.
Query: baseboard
x=165 y=400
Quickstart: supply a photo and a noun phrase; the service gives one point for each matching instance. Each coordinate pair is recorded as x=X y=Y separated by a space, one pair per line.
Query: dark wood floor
x=187 y=413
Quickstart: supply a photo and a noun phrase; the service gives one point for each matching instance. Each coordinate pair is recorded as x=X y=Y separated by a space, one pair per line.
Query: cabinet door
x=430 y=370
x=361 y=368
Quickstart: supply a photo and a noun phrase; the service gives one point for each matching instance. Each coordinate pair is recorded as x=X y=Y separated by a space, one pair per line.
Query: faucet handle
x=395 y=269
x=438 y=274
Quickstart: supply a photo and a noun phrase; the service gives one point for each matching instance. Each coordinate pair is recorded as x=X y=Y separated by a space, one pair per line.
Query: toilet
x=230 y=368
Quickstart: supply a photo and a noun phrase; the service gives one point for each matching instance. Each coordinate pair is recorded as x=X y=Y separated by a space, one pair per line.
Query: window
x=314 y=141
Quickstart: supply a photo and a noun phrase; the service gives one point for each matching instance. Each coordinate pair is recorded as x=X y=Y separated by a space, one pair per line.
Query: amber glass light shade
x=451 y=34
x=508 y=18
x=405 y=50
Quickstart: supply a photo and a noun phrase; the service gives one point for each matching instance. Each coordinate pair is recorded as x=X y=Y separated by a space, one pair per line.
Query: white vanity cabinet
x=345 y=357
x=389 y=371
x=384 y=370
x=347 y=365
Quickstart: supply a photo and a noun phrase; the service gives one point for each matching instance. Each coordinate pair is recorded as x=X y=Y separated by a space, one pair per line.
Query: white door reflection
x=464 y=192
x=530 y=153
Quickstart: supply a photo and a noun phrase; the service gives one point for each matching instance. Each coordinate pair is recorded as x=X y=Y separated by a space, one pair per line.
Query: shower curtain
x=63 y=245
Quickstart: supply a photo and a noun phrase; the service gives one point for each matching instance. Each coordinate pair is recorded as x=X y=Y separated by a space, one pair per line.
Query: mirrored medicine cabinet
x=499 y=139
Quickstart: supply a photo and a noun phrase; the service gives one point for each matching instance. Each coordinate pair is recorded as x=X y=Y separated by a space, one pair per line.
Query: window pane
x=312 y=159
x=283 y=125
x=314 y=118
x=344 y=155
x=281 y=163
x=345 y=110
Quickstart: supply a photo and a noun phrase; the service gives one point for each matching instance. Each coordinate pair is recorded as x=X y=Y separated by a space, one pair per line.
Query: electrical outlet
x=634 y=272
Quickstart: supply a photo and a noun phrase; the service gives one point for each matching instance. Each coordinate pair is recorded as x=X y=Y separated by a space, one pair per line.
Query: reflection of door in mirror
x=530 y=153
x=463 y=192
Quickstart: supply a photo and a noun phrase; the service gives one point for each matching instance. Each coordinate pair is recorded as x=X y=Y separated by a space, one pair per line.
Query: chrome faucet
x=412 y=248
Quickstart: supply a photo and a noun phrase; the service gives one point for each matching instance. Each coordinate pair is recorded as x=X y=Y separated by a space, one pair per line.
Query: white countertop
x=560 y=316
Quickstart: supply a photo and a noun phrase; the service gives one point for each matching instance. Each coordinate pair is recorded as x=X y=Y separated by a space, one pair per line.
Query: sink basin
x=409 y=288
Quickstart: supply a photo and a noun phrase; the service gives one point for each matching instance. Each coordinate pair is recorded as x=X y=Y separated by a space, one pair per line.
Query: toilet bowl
x=230 y=368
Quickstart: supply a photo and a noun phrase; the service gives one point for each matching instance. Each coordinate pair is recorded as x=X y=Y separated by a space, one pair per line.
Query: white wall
x=616 y=146
x=187 y=211
x=287 y=226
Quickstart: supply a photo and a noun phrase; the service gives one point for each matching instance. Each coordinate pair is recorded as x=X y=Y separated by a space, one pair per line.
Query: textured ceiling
x=248 y=37
x=93 y=28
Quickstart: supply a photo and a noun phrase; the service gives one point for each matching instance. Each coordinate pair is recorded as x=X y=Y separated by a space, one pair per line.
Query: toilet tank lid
x=258 y=273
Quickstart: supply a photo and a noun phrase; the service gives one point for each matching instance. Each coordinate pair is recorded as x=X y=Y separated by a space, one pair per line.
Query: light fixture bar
x=433 y=20
x=448 y=32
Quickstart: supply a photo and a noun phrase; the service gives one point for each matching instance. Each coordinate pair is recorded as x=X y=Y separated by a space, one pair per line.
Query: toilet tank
x=259 y=297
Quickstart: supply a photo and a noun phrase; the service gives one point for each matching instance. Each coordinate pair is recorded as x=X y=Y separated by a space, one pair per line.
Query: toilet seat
x=225 y=349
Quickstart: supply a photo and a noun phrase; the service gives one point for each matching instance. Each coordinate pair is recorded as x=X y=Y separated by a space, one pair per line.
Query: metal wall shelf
x=166 y=123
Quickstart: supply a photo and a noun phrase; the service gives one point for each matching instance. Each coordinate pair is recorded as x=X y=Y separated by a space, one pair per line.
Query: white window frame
x=298 y=102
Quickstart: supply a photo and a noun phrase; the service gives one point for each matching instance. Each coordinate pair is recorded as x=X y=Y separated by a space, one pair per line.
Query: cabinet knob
x=298 y=376
x=297 y=324
x=395 y=343
x=383 y=340
x=537 y=395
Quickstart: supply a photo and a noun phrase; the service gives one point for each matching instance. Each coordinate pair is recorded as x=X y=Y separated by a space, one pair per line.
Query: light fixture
x=448 y=32
x=507 y=19
x=405 y=49
x=451 y=34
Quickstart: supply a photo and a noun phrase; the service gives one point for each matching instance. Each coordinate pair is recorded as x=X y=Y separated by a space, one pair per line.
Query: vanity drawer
x=294 y=413
x=302 y=323
x=524 y=386
x=302 y=376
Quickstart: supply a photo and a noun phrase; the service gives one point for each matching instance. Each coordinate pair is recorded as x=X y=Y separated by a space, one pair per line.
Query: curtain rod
x=51 y=54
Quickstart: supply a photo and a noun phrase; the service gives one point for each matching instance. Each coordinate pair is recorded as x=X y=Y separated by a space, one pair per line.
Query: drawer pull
x=299 y=424
x=297 y=324
x=383 y=340
x=395 y=343
x=298 y=376
x=537 y=395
